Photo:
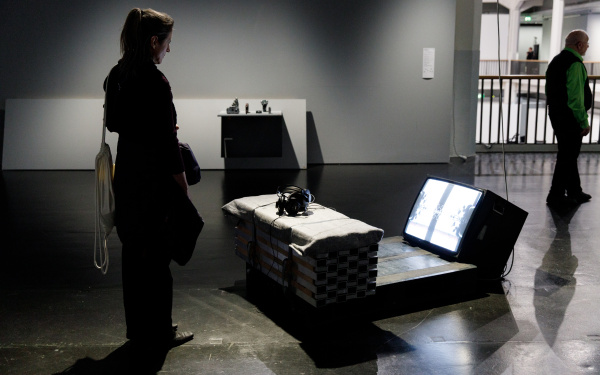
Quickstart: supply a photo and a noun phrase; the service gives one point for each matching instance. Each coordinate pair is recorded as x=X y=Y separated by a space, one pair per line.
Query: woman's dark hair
x=140 y=26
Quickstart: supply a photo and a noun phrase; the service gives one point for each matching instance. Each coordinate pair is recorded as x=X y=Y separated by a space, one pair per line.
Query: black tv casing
x=489 y=237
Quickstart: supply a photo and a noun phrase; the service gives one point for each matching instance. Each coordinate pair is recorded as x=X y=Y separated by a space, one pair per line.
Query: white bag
x=105 y=199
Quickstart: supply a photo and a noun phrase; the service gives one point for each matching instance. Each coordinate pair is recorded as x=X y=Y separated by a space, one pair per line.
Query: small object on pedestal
x=247 y=108
x=264 y=104
x=235 y=107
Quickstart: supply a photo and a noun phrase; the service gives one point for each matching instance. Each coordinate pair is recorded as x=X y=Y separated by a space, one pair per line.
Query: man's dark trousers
x=566 y=173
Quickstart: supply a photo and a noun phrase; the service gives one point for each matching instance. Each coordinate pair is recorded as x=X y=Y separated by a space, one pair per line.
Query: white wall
x=569 y=23
x=527 y=35
x=32 y=145
x=489 y=37
x=593 y=29
x=72 y=142
x=357 y=64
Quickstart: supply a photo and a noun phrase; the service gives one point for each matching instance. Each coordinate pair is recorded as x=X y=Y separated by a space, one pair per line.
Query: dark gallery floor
x=58 y=314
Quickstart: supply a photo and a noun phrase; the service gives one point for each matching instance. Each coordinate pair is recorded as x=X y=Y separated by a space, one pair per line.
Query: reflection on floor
x=60 y=315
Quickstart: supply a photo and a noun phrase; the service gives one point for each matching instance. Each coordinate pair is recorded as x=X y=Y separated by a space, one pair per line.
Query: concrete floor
x=60 y=315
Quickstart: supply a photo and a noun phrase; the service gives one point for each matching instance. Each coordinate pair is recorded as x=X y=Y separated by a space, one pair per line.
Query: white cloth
x=320 y=230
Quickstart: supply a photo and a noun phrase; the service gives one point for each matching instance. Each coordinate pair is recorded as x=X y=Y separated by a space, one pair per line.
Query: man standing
x=569 y=98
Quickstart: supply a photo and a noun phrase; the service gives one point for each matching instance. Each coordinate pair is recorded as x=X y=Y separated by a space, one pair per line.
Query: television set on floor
x=464 y=223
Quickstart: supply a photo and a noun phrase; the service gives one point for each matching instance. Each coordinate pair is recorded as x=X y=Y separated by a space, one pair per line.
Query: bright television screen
x=441 y=213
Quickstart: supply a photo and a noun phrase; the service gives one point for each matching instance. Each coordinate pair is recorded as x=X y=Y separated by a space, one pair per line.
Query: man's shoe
x=180 y=338
x=581 y=197
x=560 y=201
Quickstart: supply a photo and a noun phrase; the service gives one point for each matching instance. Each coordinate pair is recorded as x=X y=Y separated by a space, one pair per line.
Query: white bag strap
x=100 y=248
x=104 y=118
x=101 y=259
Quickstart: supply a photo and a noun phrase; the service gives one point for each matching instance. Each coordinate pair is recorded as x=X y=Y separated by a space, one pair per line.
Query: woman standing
x=149 y=172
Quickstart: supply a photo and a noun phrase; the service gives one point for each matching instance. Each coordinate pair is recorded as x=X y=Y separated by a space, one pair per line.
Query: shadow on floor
x=341 y=335
x=555 y=282
x=130 y=358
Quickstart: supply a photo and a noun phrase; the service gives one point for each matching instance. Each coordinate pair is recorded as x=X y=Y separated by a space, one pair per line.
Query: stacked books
x=321 y=255
x=328 y=277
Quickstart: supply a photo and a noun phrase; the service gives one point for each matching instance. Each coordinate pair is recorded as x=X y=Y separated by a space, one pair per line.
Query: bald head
x=576 y=36
x=577 y=40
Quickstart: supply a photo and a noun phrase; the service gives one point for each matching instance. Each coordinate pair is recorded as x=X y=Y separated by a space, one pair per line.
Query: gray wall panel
x=357 y=64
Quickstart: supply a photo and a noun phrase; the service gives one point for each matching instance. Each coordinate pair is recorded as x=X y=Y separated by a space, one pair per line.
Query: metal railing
x=530 y=67
x=520 y=118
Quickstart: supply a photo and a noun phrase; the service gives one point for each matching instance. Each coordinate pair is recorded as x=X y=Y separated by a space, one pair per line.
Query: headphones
x=293 y=199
